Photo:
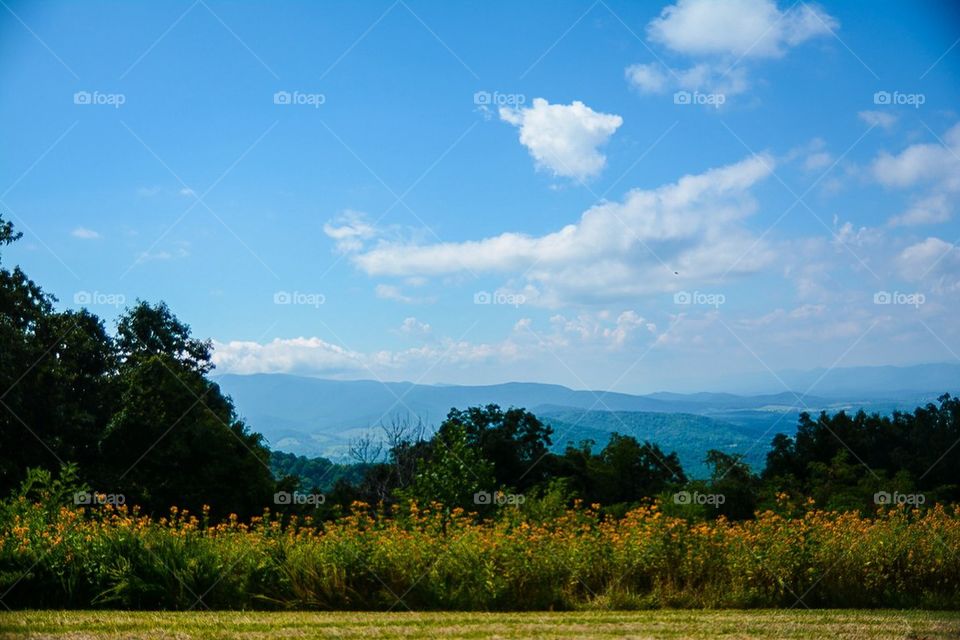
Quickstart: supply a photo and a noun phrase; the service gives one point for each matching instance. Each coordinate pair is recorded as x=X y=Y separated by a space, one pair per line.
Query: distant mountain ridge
x=866 y=382
x=319 y=417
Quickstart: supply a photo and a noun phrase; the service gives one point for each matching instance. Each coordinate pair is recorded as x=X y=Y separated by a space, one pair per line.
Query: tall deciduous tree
x=175 y=439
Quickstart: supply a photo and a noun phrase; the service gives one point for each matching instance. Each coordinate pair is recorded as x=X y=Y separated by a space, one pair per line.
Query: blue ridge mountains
x=320 y=417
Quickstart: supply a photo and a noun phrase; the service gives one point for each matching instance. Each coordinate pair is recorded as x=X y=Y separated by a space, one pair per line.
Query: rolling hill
x=320 y=417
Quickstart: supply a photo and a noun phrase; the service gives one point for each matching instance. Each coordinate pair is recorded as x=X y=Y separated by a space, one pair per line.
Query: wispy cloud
x=85 y=234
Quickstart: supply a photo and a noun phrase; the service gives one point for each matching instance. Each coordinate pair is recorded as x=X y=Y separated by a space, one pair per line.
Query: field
x=648 y=624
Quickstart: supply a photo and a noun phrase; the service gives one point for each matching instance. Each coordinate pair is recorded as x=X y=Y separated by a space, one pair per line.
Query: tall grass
x=429 y=559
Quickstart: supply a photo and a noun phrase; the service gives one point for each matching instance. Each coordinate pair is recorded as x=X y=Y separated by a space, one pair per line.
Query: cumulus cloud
x=315 y=356
x=582 y=334
x=295 y=355
x=601 y=328
x=564 y=138
x=85 y=234
x=652 y=240
x=739 y=28
x=723 y=36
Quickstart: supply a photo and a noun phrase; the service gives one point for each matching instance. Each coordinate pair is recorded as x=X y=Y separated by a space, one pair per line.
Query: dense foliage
x=840 y=459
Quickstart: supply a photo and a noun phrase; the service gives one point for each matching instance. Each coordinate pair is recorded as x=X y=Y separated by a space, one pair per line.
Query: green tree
x=515 y=441
x=733 y=479
x=454 y=472
x=175 y=438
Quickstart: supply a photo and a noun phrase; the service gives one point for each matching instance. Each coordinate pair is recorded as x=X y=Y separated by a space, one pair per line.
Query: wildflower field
x=430 y=559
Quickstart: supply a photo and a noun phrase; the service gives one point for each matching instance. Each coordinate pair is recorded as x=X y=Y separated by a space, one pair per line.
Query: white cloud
x=922 y=163
x=396 y=294
x=148 y=192
x=882 y=119
x=181 y=250
x=777 y=316
x=817 y=160
x=391 y=292
x=412 y=326
x=627 y=323
x=934 y=167
x=564 y=139
x=723 y=36
x=296 y=355
x=617 y=249
x=583 y=334
x=187 y=191
x=931 y=209
x=599 y=329
x=315 y=356
x=717 y=78
x=85 y=234
x=933 y=261
x=349 y=230
x=738 y=28
x=651 y=78
x=847 y=234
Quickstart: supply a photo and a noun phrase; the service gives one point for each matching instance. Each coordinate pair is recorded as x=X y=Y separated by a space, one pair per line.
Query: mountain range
x=320 y=417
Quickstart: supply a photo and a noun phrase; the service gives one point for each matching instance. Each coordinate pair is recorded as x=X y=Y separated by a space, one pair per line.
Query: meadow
x=431 y=559
x=798 y=624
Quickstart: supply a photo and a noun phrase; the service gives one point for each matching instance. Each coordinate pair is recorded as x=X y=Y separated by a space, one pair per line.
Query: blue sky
x=637 y=196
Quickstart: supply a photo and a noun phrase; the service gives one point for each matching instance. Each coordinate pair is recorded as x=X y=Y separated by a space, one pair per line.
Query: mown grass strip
x=796 y=624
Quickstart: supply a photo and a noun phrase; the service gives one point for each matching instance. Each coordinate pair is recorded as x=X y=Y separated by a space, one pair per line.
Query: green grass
x=835 y=624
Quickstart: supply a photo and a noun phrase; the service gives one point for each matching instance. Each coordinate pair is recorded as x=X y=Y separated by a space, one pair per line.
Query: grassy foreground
x=606 y=624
